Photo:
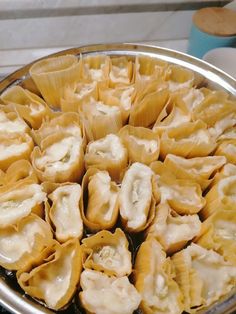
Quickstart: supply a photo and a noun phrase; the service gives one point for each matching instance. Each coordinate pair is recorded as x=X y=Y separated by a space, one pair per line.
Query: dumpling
x=228 y=149
x=203 y=276
x=102 y=294
x=64 y=213
x=107 y=153
x=107 y=252
x=60 y=158
x=18 y=200
x=99 y=201
x=154 y=281
x=121 y=71
x=53 y=76
x=55 y=277
x=13 y=147
x=136 y=200
x=28 y=105
x=172 y=230
x=11 y=122
x=190 y=97
x=227 y=170
x=96 y=68
x=179 y=77
x=143 y=145
x=23 y=243
x=191 y=139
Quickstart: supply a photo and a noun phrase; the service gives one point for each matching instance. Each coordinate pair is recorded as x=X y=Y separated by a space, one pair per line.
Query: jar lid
x=216 y=21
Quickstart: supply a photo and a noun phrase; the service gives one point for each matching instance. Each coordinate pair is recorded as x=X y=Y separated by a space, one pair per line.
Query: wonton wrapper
x=121 y=71
x=53 y=76
x=107 y=153
x=143 y=145
x=227 y=149
x=18 y=200
x=28 y=105
x=229 y=134
x=55 y=278
x=13 y=147
x=102 y=294
x=219 y=233
x=99 y=201
x=183 y=195
x=64 y=213
x=23 y=243
x=136 y=200
x=179 y=77
x=190 y=97
x=227 y=170
x=172 y=230
x=191 y=139
x=60 y=159
x=154 y=280
x=107 y=252
x=11 y=122
x=203 y=276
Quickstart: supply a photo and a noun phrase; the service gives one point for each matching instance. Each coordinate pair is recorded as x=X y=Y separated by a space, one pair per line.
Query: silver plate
x=207 y=75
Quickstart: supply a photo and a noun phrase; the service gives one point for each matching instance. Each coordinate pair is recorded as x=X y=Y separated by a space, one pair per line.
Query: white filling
x=199 y=136
x=225 y=229
x=7 y=125
x=101 y=109
x=125 y=99
x=150 y=145
x=84 y=89
x=173 y=86
x=227 y=187
x=230 y=149
x=118 y=74
x=35 y=108
x=193 y=98
x=223 y=124
x=12 y=150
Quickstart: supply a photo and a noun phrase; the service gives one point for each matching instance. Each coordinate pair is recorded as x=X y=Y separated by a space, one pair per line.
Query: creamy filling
x=12 y=150
x=173 y=86
x=225 y=229
x=150 y=145
x=84 y=89
x=227 y=187
x=118 y=74
x=102 y=109
x=7 y=125
x=193 y=98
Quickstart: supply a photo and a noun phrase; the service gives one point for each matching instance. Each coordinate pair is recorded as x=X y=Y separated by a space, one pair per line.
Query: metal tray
x=207 y=75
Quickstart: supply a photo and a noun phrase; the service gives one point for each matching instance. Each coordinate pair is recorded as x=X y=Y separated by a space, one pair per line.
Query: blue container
x=201 y=42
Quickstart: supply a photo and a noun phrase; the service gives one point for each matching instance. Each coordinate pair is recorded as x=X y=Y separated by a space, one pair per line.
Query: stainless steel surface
x=207 y=74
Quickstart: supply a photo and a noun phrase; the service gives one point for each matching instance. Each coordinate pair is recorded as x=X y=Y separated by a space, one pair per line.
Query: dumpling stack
x=118 y=186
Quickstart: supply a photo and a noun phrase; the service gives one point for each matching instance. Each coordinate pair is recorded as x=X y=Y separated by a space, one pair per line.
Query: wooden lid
x=216 y=21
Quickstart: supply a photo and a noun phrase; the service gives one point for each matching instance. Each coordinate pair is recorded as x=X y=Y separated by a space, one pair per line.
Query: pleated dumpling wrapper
x=190 y=97
x=100 y=119
x=183 y=195
x=227 y=149
x=136 y=198
x=68 y=122
x=229 y=134
x=99 y=201
x=55 y=277
x=18 y=200
x=10 y=121
x=107 y=252
x=60 y=158
x=96 y=68
x=29 y=106
x=143 y=145
x=198 y=169
x=53 y=76
x=121 y=71
x=13 y=147
x=64 y=213
x=179 y=77
x=221 y=196
x=23 y=243
x=219 y=233
x=107 y=153
x=191 y=139
x=173 y=231
x=203 y=276
x=154 y=281
x=102 y=294
x=79 y=94
x=228 y=170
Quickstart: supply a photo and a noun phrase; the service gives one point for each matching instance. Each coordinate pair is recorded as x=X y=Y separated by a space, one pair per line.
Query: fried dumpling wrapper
x=23 y=243
x=18 y=200
x=55 y=278
x=191 y=139
x=190 y=97
x=100 y=119
x=143 y=145
x=53 y=76
x=179 y=77
x=102 y=294
x=228 y=149
x=219 y=233
x=121 y=71
x=203 y=276
x=229 y=134
x=107 y=252
x=198 y=169
x=154 y=280
x=173 y=231
x=81 y=93
x=68 y=122
x=13 y=147
x=99 y=201
x=183 y=195
x=28 y=105
x=227 y=170
x=96 y=68
x=107 y=153
x=60 y=158
x=10 y=121
x=222 y=194
x=136 y=198
x=64 y=213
